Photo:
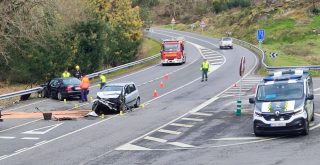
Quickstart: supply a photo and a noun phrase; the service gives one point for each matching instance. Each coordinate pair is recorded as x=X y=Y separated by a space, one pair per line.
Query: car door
x=128 y=95
x=53 y=85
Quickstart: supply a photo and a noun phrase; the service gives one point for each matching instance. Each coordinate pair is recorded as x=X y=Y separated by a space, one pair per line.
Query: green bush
x=222 y=5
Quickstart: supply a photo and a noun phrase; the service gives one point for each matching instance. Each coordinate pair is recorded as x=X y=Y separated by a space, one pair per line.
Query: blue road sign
x=260 y=35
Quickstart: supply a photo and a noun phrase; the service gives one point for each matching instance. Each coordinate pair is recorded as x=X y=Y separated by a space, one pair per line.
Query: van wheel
x=137 y=103
x=306 y=128
x=255 y=131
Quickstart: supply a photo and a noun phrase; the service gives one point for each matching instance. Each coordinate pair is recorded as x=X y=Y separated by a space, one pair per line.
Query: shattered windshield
x=280 y=92
x=112 y=88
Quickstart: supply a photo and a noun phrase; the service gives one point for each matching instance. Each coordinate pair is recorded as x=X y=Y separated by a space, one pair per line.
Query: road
x=191 y=122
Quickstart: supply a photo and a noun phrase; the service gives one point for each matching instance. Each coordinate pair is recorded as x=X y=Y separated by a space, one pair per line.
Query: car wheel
x=221 y=47
x=137 y=103
x=231 y=47
x=59 y=96
x=44 y=93
x=306 y=128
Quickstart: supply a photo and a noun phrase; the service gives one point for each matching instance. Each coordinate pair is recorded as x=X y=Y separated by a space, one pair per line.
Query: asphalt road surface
x=191 y=122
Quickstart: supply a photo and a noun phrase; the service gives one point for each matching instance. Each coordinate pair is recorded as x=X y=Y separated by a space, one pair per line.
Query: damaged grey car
x=116 y=97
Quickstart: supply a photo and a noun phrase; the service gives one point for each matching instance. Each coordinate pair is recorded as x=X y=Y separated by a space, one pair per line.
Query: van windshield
x=280 y=92
x=112 y=88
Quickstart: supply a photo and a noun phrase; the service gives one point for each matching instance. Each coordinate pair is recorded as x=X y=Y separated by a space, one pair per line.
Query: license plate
x=77 y=88
x=278 y=124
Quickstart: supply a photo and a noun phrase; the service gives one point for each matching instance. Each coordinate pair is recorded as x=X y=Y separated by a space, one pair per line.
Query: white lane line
x=7 y=137
x=169 y=131
x=238 y=138
x=131 y=147
x=43 y=130
x=3 y=156
x=314 y=127
x=247 y=80
x=40 y=143
x=215 y=60
x=21 y=150
x=60 y=137
x=182 y=125
x=204 y=104
x=215 y=63
x=238 y=89
x=191 y=119
x=201 y=114
x=20 y=125
x=30 y=138
x=155 y=139
x=235 y=92
x=181 y=144
x=316 y=89
x=317 y=114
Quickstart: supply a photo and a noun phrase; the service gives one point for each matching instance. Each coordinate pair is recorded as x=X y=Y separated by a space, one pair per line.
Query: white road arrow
x=42 y=130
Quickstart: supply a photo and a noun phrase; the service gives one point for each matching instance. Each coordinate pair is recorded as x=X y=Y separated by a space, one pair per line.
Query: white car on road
x=226 y=42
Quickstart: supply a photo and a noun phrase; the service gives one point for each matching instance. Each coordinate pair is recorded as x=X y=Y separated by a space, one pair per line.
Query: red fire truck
x=172 y=51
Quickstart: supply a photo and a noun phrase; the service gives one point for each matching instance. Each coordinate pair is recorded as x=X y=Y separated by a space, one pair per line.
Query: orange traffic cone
x=155 y=93
x=166 y=77
x=161 y=84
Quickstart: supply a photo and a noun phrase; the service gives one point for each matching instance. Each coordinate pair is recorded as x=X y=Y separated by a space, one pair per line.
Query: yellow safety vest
x=65 y=74
x=205 y=65
x=103 y=78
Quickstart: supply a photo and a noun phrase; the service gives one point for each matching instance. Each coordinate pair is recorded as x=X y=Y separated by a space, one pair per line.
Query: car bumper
x=72 y=94
x=295 y=126
x=174 y=61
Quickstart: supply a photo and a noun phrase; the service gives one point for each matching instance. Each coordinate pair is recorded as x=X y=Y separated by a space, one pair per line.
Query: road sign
x=260 y=35
x=203 y=24
x=273 y=54
x=242 y=66
x=173 y=21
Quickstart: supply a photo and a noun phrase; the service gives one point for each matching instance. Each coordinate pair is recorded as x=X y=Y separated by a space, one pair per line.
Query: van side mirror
x=252 y=100
x=310 y=97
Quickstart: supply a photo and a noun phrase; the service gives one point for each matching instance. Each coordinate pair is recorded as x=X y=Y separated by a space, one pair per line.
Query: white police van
x=283 y=103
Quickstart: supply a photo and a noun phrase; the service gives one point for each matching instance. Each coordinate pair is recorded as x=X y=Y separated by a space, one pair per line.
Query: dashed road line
x=201 y=114
x=155 y=139
x=182 y=125
x=131 y=147
x=238 y=138
x=191 y=119
x=7 y=137
x=169 y=131
x=30 y=138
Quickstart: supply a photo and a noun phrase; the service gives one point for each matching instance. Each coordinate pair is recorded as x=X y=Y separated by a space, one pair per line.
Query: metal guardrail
x=259 y=51
x=92 y=75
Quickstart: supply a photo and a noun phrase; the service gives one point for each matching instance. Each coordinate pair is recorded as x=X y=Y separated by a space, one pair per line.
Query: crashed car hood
x=108 y=94
x=281 y=106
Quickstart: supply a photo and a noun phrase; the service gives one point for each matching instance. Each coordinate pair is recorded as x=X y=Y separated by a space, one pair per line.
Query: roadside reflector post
x=238 y=111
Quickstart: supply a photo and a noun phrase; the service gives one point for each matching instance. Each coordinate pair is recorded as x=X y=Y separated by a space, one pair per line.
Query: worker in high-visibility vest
x=84 y=86
x=66 y=74
x=77 y=72
x=204 y=68
x=103 y=80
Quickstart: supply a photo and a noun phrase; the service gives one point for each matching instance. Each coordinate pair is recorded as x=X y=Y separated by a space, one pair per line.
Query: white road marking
x=238 y=138
x=169 y=131
x=314 y=127
x=316 y=89
x=182 y=125
x=20 y=125
x=30 y=138
x=191 y=119
x=213 y=57
x=7 y=137
x=43 y=130
x=155 y=139
x=60 y=137
x=317 y=114
x=200 y=114
x=215 y=60
x=131 y=147
x=40 y=143
x=21 y=150
x=3 y=156
x=180 y=144
x=204 y=104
